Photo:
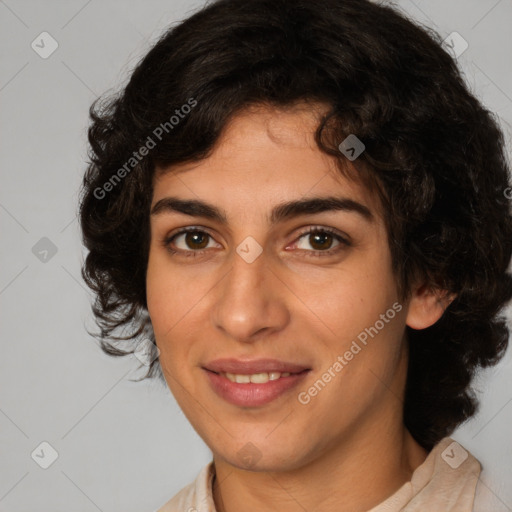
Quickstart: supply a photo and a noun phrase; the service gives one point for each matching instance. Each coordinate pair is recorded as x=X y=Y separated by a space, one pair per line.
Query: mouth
x=257 y=378
x=253 y=383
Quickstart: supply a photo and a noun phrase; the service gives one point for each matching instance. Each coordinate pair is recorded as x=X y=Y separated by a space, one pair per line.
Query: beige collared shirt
x=447 y=481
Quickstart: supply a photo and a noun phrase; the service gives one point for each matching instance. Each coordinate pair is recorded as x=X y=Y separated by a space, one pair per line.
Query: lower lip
x=253 y=395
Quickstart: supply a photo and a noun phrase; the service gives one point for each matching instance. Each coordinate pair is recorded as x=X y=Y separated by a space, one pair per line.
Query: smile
x=254 y=390
x=255 y=378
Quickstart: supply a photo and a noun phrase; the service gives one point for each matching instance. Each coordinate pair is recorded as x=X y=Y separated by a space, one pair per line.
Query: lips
x=253 y=394
x=250 y=367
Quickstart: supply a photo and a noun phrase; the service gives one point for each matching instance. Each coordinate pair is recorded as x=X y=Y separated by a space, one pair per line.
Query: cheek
x=163 y=301
x=157 y=299
x=174 y=302
x=167 y=292
x=345 y=301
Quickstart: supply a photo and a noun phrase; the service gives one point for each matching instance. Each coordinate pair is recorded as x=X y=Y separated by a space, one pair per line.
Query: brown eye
x=321 y=240
x=196 y=239
x=190 y=240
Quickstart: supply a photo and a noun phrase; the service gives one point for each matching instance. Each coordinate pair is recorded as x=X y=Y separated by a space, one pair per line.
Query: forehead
x=264 y=156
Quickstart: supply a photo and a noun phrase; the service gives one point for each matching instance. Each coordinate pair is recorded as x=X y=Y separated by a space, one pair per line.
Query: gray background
x=126 y=446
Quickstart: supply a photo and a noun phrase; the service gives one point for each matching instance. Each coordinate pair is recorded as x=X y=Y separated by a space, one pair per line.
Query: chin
x=264 y=456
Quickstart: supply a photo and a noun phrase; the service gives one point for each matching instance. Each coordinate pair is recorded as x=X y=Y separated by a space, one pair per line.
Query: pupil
x=323 y=237
x=192 y=236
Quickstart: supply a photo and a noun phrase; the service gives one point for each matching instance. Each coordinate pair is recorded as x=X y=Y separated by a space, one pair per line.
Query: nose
x=250 y=301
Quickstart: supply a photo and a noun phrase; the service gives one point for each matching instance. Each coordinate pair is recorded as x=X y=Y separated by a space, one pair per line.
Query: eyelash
x=311 y=230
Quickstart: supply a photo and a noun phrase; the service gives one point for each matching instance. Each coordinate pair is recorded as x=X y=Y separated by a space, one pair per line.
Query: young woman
x=306 y=210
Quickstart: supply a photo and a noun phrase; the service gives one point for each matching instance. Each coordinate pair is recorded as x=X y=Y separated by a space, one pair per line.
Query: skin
x=348 y=444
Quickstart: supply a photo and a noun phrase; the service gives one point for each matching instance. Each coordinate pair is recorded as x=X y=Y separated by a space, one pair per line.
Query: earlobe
x=426 y=306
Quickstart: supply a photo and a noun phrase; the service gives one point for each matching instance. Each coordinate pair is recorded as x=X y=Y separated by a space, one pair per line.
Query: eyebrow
x=280 y=212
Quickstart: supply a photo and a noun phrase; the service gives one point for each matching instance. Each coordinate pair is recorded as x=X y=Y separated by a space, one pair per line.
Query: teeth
x=255 y=378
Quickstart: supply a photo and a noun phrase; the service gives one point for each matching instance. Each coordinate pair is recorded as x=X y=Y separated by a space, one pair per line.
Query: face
x=255 y=287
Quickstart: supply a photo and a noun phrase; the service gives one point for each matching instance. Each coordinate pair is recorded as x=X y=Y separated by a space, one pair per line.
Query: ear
x=426 y=306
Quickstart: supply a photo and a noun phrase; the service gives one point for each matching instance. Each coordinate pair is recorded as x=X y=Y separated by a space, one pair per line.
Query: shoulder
x=444 y=482
x=194 y=497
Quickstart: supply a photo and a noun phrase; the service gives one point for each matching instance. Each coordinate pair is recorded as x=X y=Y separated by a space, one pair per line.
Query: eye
x=193 y=241
x=322 y=239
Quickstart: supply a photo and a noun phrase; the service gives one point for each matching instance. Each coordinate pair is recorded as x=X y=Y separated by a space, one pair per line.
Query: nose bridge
x=248 y=268
x=247 y=298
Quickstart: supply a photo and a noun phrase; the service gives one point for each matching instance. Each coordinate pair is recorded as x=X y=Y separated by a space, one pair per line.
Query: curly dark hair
x=435 y=155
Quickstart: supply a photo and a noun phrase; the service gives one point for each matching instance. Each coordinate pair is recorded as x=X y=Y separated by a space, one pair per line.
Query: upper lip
x=249 y=367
